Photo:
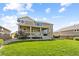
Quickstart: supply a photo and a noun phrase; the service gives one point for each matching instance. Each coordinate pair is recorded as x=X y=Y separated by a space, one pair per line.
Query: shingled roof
x=5 y=28
x=73 y=27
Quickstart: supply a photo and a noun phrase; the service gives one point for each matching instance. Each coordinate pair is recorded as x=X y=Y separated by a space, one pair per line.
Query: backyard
x=41 y=48
x=1 y=41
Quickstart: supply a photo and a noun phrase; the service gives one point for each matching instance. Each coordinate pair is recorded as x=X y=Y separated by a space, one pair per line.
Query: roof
x=5 y=28
x=44 y=22
x=73 y=27
x=33 y=20
x=30 y=19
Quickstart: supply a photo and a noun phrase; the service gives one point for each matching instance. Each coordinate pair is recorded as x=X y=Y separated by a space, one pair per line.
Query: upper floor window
x=39 y=24
x=22 y=21
x=45 y=31
x=18 y=20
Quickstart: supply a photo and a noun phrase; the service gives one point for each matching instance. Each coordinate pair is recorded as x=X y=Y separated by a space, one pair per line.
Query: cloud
x=23 y=13
x=9 y=22
x=29 y=7
x=13 y=6
x=21 y=8
x=64 y=7
x=66 y=25
x=65 y=4
x=48 y=10
x=74 y=22
x=62 y=10
x=57 y=16
x=18 y=6
x=42 y=19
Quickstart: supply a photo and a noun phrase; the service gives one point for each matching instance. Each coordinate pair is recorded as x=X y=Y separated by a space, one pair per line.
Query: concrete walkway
x=9 y=41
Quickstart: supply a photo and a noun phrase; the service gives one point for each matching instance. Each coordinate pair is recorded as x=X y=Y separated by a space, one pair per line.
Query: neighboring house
x=4 y=33
x=70 y=31
x=13 y=35
x=33 y=29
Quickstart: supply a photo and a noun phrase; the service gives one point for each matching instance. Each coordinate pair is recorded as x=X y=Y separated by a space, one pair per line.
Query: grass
x=1 y=41
x=42 y=48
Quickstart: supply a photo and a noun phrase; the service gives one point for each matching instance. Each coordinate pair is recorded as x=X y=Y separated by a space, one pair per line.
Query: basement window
x=77 y=29
x=45 y=34
x=24 y=29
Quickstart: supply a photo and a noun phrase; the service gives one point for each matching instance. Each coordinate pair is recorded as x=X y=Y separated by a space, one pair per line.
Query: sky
x=59 y=14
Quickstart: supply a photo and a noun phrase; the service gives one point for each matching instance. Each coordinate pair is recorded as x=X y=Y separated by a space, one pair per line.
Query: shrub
x=76 y=38
x=21 y=35
x=56 y=36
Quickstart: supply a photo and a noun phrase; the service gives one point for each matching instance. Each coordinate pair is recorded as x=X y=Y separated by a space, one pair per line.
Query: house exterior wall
x=70 y=31
x=4 y=33
x=35 y=29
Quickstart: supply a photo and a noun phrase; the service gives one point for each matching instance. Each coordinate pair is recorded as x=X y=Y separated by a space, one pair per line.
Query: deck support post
x=30 y=32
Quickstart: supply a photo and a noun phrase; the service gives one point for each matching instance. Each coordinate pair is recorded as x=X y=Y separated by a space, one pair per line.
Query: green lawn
x=1 y=41
x=42 y=48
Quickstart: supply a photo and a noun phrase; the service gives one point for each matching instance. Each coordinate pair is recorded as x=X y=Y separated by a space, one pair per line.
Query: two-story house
x=33 y=29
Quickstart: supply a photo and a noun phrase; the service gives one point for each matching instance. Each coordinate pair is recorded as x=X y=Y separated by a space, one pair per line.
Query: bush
x=21 y=35
x=56 y=36
x=76 y=38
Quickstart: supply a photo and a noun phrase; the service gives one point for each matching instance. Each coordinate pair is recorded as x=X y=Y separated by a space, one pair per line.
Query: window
x=22 y=21
x=45 y=31
x=18 y=20
x=24 y=29
x=39 y=24
x=77 y=29
x=45 y=34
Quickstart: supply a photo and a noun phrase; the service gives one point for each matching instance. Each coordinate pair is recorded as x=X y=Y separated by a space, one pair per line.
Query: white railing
x=36 y=34
x=46 y=37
